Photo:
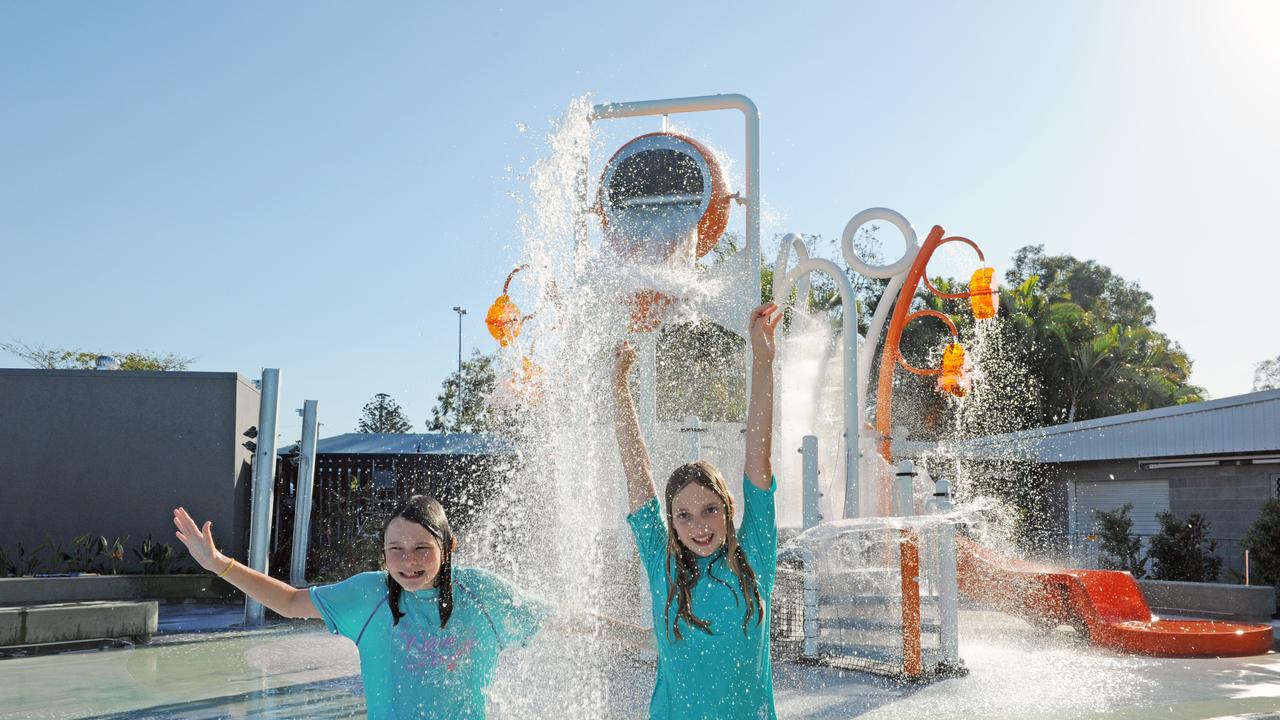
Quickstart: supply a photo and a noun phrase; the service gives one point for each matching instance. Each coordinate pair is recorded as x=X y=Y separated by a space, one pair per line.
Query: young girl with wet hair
x=710 y=584
x=429 y=634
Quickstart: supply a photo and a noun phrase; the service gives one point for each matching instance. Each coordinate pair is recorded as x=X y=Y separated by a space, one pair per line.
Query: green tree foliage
x=1182 y=550
x=47 y=358
x=1120 y=548
x=1263 y=543
x=1091 y=339
x=461 y=405
x=383 y=415
x=1266 y=374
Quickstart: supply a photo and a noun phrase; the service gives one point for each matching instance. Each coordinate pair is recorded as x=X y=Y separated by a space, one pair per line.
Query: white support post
x=693 y=438
x=903 y=489
x=944 y=548
x=264 y=470
x=811 y=627
x=809 y=472
x=302 y=498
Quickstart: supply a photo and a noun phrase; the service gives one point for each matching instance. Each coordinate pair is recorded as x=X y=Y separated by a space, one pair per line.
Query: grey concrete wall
x=36 y=590
x=1251 y=603
x=74 y=622
x=112 y=452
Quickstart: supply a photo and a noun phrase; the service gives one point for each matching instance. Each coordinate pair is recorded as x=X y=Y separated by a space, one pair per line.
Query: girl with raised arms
x=710 y=584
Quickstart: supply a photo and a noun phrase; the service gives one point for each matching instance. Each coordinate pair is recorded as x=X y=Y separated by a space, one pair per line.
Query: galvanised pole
x=302 y=501
x=264 y=466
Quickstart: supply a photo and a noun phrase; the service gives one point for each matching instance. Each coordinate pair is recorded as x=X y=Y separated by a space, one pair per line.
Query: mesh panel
x=786 y=621
x=858 y=602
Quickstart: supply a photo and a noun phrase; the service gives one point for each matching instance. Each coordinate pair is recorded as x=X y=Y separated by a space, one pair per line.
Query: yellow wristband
x=228 y=568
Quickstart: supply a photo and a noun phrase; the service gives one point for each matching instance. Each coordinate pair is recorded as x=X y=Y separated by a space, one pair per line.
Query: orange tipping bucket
x=526 y=382
x=648 y=310
x=983 y=295
x=503 y=320
x=955 y=375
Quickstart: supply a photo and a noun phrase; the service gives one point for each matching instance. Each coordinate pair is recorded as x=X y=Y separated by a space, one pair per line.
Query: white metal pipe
x=895 y=272
x=810 y=490
x=866 y=355
x=852 y=451
x=264 y=466
x=647 y=385
x=302 y=497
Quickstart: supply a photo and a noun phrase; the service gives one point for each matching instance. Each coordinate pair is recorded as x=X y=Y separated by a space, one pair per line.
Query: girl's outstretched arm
x=758 y=465
x=626 y=424
x=280 y=597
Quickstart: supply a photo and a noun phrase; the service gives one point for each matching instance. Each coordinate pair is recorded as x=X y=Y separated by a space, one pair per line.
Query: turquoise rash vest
x=724 y=675
x=417 y=669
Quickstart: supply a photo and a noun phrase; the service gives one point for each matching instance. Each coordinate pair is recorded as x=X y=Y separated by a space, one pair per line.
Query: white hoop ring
x=910 y=242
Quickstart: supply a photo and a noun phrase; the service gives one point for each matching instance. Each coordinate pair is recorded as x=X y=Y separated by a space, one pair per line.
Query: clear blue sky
x=312 y=186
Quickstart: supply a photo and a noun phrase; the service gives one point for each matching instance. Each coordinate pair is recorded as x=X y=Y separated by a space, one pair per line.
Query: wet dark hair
x=682 y=565
x=427 y=512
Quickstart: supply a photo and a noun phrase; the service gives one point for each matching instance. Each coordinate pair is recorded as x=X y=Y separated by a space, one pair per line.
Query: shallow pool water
x=299 y=671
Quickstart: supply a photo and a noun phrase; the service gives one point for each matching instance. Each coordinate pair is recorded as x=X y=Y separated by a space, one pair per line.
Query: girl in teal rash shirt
x=429 y=634
x=710 y=584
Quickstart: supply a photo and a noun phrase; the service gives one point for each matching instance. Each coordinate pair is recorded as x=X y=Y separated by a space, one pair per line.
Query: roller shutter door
x=1148 y=497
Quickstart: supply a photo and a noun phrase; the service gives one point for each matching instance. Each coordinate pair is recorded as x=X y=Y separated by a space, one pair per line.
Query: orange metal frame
x=891 y=357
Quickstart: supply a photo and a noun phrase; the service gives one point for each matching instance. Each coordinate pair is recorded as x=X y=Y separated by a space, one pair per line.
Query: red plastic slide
x=1106 y=606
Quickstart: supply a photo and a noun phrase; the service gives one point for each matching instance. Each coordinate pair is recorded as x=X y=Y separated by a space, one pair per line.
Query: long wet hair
x=682 y=565
x=425 y=511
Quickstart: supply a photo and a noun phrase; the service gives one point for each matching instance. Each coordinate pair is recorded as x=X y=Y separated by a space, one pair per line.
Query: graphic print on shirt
x=425 y=651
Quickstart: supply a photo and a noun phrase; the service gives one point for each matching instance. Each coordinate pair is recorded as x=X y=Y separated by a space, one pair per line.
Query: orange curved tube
x=512 y=274
x=888 y=357
x=925 y=313
x=954 y=296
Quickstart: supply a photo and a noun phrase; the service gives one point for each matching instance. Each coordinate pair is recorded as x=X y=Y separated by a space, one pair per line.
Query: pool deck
x=200 y=669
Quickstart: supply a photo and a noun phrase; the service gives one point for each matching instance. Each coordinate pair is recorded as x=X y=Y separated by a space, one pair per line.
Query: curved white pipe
x=791 y=241
x=852 y=451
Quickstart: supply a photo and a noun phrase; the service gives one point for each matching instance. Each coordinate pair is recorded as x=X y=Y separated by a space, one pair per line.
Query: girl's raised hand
x=764 y=322
x=199 y=541
x=624 y=358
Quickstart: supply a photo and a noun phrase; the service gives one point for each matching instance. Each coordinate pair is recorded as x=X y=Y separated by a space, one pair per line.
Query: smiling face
x=412 y=554
x=698 y=517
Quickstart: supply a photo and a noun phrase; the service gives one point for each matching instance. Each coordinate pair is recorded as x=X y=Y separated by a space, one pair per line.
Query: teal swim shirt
x=725 y=675
x=417 y=669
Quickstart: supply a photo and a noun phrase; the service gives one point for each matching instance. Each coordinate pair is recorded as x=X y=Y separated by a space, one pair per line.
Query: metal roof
x=411 y=444
x=1239 y=424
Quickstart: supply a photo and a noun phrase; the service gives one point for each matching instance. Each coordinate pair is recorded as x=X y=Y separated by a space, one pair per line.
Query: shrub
x=1263 y=543
x=1120 y=549
x=1182 y=550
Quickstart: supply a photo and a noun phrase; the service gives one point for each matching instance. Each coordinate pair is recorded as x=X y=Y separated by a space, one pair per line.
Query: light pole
x=458 y=412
